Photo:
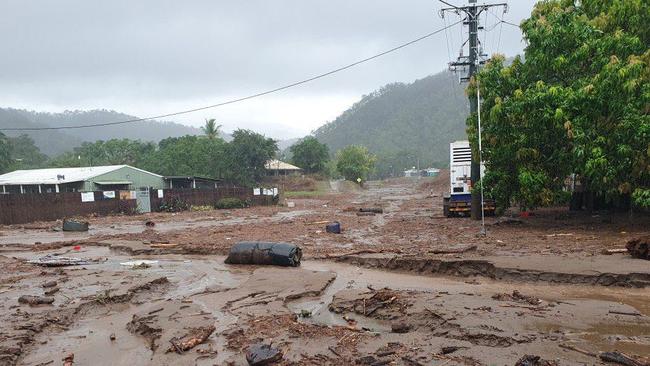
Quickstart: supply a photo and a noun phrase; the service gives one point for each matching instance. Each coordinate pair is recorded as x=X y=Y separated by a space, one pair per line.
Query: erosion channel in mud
x=108 y=313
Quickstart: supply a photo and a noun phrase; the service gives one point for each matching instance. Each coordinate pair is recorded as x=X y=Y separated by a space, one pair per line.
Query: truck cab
x=458 y=201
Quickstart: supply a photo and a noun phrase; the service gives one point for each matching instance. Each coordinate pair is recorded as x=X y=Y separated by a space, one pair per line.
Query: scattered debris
x=376 y=210
x=49 y=284
x=263 y=354
x=279 y=254
x=531 y=360
x=68 y=360
x=507 y=221
x=191 y=339
x=517 y=297
x=450 y=349
x=613 y=251
x=622 y=359
x=305 y=313
x=455 y=250
x=51 y=291
x=334 y=227
x=625 y=313
x=366 y=214
x=150 y=224
x=639 y=247
x=139 y=264
x=400 y=327
x=51 y=260
x=74 y=225
x=35 y=300
x=112 y=337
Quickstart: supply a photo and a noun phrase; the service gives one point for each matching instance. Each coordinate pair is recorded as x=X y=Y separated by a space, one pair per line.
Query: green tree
x=310 y=155
x=246 y=156
x=211 y=129
x=355 y=162
x=578 y=104
x=187 y=155
x=5 y=154
x=111 y=152
x=25 y=153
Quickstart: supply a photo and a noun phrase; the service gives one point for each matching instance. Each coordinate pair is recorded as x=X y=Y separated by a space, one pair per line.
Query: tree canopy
x=310 y=155
x=247 y=154
x=211 y=129
x=5 y=154
x=355 y=162
x=579 y=104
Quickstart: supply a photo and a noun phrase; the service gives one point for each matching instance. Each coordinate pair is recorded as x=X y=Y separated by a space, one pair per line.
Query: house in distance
x=84 y=179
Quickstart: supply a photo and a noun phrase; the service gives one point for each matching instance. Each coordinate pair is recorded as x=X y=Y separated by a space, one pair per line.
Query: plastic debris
x=139 y=263
x=263 y=354
x=279 y=254
x=334 y=227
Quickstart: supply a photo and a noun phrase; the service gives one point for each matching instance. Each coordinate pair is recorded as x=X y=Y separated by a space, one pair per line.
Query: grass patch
x=322 y=188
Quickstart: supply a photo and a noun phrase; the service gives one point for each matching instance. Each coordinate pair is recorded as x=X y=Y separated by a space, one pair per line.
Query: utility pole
x=471 y=64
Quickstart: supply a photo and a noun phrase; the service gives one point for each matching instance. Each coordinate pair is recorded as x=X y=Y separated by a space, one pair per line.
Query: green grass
x=321 y=189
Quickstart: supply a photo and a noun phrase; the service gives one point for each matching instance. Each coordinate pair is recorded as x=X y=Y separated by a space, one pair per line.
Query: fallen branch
x=334 y=352
x=190 y=340
x=624 y=313
x=622 y=359
x=576 y=349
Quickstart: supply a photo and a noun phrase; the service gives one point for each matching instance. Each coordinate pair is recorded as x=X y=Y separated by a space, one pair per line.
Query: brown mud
x=530 y=288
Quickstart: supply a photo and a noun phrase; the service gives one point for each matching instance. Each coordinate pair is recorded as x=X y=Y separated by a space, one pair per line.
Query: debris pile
x=191 y=339
x=380 y=304
x=639 y=247
x=517 y=296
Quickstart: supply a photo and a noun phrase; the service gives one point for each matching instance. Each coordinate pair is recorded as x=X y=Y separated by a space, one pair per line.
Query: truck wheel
x=445 y=207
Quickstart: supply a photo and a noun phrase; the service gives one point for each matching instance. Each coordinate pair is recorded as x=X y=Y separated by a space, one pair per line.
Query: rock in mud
x=531 y=360
x=49 y=284
x=191 y=339
x=35 y=300
x=263 y=354
x=400 y=327
x=51 y=291
x=639 y=247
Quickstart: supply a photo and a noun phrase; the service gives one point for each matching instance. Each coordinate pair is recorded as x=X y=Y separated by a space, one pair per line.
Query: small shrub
x=174 y=204
x=230 y=202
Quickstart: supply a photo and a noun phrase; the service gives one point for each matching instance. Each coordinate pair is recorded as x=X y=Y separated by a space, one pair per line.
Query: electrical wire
x=233 y=101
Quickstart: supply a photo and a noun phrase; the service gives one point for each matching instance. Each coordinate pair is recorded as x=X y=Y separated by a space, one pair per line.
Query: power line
x=232 y=101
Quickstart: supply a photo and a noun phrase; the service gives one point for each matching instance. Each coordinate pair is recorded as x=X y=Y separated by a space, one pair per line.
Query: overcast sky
x=151 y=57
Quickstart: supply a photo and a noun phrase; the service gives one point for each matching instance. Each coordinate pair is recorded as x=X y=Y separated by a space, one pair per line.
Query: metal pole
x=480 y=152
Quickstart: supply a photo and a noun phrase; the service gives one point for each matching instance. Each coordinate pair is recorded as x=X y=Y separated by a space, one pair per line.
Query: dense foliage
x=355 y=163
x=5 y=154
x=578 y=104
x=310 y=155
x=403 y=123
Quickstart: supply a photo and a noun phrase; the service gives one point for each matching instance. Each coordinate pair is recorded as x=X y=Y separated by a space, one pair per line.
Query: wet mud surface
x=376 y=294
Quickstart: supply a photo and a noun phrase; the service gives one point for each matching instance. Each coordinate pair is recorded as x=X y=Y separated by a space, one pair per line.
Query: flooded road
x=203 y=290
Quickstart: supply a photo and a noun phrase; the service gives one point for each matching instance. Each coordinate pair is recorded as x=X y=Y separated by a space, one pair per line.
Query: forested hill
x=56 y=142
x=401 y=122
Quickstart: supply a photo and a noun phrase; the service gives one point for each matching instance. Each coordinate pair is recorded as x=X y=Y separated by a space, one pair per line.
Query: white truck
x=458 y=201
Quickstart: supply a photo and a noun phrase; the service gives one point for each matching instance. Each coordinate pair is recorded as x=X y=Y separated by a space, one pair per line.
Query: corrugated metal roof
x=59 y=175
x=280 y=165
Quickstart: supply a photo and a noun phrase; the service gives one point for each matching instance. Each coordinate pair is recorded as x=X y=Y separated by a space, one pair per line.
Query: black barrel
x=266 y=253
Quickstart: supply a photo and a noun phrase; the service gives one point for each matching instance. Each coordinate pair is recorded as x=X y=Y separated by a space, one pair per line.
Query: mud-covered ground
x=379 y=293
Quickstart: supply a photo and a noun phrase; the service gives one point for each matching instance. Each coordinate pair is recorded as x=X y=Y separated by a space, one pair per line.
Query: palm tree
x=211 y=129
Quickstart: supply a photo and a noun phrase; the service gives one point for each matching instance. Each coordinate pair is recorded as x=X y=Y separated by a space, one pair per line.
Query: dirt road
x=379 y=293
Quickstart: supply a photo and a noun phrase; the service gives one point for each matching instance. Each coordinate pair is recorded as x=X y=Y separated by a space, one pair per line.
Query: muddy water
x=587 y=307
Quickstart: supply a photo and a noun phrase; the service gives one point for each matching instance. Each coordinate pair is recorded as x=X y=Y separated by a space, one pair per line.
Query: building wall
x=137 y=177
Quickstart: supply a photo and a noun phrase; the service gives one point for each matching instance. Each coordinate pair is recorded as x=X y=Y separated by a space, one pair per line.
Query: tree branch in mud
x=191 y=340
